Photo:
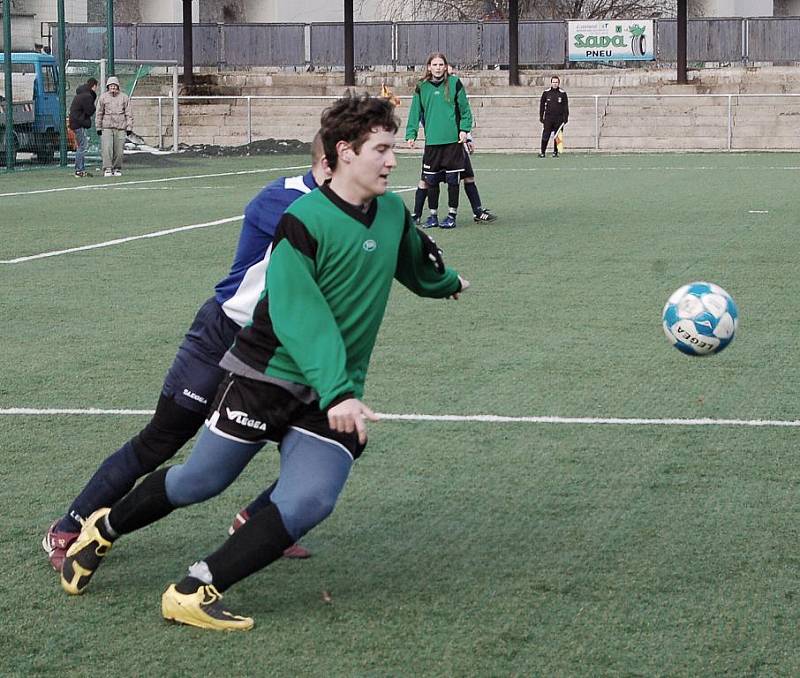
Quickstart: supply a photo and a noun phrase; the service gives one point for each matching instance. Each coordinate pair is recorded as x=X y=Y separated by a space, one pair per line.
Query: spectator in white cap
x=113 y=121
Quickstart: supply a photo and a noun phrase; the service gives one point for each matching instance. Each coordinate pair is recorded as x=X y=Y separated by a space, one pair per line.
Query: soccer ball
x=700 y=318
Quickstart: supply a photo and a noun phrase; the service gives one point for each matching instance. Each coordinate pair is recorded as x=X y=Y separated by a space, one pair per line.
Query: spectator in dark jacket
x=553 y=114
x=81 y=111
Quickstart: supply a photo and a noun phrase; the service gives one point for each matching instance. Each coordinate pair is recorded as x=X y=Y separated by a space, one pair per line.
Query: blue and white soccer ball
x=700 y=318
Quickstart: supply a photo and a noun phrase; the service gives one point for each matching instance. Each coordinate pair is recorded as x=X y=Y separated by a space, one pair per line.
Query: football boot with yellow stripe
x=85 y=554
x=201 y=609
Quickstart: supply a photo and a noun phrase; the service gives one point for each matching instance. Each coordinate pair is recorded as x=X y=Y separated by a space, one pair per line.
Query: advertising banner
x=611 y=40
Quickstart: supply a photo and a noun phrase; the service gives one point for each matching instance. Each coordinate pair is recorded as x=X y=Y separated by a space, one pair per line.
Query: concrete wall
x=24 y=32
x=47 y=10
x=309 y=11
x=787 y=8
x=294 y=11
x=166 y=11
x=736 y=8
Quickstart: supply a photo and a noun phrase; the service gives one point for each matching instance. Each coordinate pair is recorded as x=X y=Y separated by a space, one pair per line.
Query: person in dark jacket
x=553 y=112
x=81 y=111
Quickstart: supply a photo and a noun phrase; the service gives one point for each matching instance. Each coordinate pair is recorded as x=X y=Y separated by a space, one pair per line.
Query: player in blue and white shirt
x=192 y=380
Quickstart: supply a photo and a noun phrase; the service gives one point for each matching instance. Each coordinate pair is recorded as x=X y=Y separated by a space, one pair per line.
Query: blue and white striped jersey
x=239 y=292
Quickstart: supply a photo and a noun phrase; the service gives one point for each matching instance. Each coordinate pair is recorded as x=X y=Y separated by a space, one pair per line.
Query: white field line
x=156 y=234
x=104 y=186
x=481 y=418
x=94 y=187
x=545 y=168
x=168 y=188
x=119 y=241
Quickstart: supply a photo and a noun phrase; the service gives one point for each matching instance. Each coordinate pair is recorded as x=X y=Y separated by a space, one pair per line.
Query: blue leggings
x=313 y=473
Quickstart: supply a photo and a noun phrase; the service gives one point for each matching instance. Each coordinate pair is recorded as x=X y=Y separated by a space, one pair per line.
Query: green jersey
x=442 y=109
x=327 y=285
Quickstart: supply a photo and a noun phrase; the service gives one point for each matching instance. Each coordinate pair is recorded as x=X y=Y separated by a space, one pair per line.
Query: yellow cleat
x=201 y=609
x=84 y=555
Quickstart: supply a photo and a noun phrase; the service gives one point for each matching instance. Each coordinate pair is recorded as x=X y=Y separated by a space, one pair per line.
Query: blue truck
x=36 y=110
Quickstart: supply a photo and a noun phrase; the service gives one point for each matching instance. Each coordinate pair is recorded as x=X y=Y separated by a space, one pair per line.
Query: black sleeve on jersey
x=459 y=87
x=295 y=231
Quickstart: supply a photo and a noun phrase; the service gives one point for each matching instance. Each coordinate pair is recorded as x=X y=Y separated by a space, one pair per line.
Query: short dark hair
x=91 y=82
x=352 y=119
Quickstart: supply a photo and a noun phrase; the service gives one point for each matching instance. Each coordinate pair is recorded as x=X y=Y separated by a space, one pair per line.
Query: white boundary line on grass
x=93 y=187
x=485 y=418
x=155 y=234
x=119 y=241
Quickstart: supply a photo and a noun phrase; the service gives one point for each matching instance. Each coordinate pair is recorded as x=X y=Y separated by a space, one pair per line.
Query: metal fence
x=735 y=119
x=402 y=44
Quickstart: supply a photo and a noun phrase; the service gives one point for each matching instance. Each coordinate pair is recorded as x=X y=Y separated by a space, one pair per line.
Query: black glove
x=431 y=251
x=99 y=132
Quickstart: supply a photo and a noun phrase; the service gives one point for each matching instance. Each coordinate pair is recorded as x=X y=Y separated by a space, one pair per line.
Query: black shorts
x=252 y=411
x=448 y=158
x=195 y=374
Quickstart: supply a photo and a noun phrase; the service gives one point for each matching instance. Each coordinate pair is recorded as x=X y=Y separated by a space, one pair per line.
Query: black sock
x=144 y=504
x=453 y=191
x=471 y=189
x=188 y=585
x=259 y=542
x=261 y=501
x=419 y=201
x=433 y=197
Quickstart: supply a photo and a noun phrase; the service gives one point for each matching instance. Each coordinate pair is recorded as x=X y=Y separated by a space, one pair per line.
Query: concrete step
x=657 y=121
x=662 y=143
x=765 y=142
x=657 y=132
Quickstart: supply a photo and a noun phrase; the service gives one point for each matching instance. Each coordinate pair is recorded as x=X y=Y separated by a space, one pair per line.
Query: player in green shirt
x=441 y=100
x=296 y=372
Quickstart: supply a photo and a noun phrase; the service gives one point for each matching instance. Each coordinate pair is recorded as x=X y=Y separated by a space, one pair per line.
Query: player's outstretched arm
x=464 y=287
x=349 y=416
x=420 y=266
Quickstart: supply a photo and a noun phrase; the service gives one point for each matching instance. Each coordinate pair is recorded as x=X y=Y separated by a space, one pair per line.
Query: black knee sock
x=433 y=197
x=453 y=191
x=419 y=201
x=261 y=501
x=471 y=189
x=259 y=542
x=143 y=505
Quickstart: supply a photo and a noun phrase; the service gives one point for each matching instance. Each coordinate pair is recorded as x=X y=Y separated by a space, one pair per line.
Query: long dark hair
x=427 y=77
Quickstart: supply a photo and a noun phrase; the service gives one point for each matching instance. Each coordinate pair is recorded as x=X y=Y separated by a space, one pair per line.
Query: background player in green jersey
x=442 y=101
x=296 y=373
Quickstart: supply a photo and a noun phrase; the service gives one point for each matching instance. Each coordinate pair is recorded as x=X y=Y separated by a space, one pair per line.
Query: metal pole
x=682 y=30
x=730 y=122
x=188 y=56
x=62 y=87
x=175 y=136
x=249 y=122
x=109 y=38
x=596 y=122
x=513 y=42
x=9 y=95
x=349 y=61
x=103 y=72
x=160 y=126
